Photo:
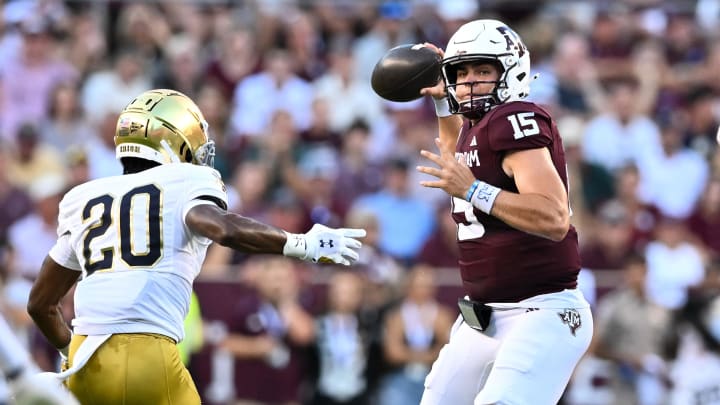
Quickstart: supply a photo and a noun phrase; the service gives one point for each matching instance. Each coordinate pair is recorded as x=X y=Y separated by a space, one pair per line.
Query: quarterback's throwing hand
x=325 y=245
x=438 y=90
x=453 y=176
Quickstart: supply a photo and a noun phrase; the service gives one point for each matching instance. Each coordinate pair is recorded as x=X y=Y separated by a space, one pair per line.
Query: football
x=404 y=70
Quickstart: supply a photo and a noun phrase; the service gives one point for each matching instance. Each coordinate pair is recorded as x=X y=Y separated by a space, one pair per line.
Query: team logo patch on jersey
x=571 y=318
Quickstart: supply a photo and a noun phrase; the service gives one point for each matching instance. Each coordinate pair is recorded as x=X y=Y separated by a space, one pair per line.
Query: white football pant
x=525 y=357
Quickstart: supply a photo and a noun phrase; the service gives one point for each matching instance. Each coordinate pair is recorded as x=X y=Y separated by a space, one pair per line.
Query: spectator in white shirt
x=33 y=235
x=113 y=89
x=621 y=135
x=341 y=83
x=674 y=265
x=259 y=96
x=674 y=181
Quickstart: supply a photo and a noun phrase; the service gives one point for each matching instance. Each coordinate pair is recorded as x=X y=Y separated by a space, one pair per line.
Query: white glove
x=31 y=388
x=325 y=245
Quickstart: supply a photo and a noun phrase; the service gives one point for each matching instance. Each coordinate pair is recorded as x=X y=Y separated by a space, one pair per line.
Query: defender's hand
x=454 y=177
x=43 y=388
x=325 y=245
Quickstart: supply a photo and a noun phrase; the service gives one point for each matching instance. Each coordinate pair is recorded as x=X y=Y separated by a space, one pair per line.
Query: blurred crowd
x=301 y=138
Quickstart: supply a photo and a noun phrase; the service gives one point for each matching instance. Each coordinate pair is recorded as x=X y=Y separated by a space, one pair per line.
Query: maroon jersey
x=499 y=263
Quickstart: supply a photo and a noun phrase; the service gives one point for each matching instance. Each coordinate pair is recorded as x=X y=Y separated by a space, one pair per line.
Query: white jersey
x=127 y=234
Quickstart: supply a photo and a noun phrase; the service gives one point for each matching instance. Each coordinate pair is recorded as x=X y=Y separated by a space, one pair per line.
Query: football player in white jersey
x=136 y=242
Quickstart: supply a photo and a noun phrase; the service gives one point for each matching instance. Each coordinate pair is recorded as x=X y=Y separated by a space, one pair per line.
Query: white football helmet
x=493 y=41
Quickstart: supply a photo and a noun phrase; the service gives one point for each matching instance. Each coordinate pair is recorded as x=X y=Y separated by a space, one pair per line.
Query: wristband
x=471 y=190
x=442 y=107
x=295 y=245
x=484 y=196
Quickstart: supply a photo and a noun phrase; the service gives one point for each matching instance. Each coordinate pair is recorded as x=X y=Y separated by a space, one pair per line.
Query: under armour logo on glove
x=325 y=245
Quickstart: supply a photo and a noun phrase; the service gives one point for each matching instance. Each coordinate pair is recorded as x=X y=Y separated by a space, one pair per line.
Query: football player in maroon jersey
x=524 y=325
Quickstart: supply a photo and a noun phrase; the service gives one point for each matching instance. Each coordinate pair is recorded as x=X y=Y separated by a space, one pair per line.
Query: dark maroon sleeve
x=519 y=126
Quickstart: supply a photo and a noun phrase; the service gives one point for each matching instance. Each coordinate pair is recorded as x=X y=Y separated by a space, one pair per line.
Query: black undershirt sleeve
x=220 y=203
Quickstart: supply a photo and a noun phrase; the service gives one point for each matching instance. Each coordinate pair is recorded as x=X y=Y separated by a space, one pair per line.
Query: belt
x=475 y=314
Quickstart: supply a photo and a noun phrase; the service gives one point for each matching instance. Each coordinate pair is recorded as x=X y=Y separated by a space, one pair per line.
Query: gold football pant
x=133 y=369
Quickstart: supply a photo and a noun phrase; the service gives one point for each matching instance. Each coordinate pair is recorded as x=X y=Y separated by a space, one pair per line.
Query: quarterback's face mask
x=474 y=86
x=164 y=126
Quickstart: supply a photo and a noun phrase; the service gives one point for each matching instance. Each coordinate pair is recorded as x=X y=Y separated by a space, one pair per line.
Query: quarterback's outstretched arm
x=53 y=282
x=248 y=235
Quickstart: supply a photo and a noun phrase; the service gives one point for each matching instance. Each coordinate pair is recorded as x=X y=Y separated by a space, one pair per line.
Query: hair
x=622 y=81
x=136 y=165
x=358 y=124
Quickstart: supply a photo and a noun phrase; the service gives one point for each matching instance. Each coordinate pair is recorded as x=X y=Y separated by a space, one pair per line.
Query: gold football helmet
x=164 y=126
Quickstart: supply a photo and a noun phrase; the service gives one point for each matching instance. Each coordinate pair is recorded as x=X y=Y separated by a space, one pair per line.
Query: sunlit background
x=634 y=87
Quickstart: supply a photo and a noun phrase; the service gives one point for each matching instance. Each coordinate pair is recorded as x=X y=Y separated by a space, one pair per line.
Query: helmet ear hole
x=185 y=153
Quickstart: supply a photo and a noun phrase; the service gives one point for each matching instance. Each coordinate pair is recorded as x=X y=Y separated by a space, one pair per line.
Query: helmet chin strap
x=476 y=107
